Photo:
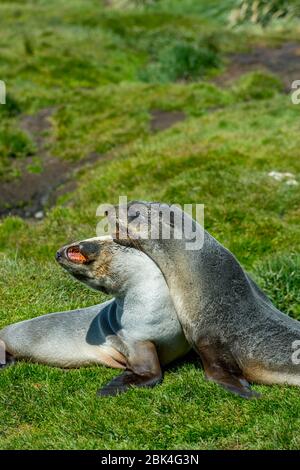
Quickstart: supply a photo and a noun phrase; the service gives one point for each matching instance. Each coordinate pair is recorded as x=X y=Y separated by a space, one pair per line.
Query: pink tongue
x=75 y=256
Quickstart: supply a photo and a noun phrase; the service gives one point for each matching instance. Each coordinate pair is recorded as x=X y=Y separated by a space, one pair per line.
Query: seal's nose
x=58 y=255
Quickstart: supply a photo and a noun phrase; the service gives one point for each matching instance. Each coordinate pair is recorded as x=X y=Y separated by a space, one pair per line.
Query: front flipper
x=143 y=370
x=221 y=367
x=126 y=380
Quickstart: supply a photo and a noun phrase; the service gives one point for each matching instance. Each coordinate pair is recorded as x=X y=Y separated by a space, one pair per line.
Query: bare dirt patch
x=29 y=194
x=283 y=61
x=161 y=120
x=37 y=125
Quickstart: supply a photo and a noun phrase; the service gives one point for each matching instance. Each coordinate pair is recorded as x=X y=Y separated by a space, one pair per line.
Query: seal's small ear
x=143 y=370
x=221 y=367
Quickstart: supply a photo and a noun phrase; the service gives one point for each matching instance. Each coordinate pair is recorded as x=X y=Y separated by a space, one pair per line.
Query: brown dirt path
x=283 y=61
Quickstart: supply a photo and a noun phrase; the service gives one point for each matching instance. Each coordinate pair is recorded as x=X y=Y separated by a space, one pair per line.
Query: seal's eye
x=75 y=256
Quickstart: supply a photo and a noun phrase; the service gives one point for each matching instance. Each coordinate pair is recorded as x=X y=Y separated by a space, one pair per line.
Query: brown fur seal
x=237 y=331
x=138 y=331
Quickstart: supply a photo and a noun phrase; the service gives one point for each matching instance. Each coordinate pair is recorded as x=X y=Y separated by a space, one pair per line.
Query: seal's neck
x=139 y=276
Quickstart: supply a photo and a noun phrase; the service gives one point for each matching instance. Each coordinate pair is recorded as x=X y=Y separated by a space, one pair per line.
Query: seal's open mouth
x=75 y=256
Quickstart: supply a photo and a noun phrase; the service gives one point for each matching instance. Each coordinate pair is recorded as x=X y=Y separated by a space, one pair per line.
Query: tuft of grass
x=16 y=144
x=11 y=108
x=257 y=85
x=28 y=44
x=262 y=12
x=181 y=61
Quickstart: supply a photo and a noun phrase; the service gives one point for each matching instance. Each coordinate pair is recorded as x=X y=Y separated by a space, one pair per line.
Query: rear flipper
x=143 y=370
x=221 y=367
x=8 y=361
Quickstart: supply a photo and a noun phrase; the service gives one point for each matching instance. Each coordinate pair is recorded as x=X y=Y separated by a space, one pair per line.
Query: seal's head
x=105 y=265
x=154 y=227
x=138 y=221
x=89 y=261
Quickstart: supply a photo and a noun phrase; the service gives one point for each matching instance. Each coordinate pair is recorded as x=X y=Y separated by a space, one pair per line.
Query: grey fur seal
x=240 y=335
x=137 y=331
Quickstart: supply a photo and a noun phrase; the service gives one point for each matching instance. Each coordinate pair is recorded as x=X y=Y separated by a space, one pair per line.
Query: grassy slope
x=84 y=61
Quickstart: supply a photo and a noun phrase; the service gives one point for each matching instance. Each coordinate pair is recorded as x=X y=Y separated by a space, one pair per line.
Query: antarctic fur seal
x=240 y=335
x=137 y=331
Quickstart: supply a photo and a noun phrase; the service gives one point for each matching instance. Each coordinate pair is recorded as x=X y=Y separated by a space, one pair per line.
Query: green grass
x=86 y=63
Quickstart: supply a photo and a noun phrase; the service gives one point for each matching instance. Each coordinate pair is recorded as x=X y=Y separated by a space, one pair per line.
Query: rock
x=39 y=215
x=286 y=177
